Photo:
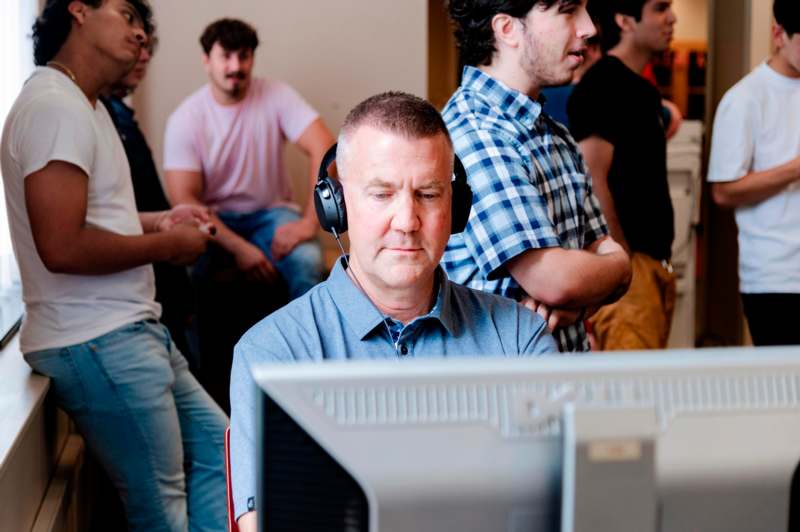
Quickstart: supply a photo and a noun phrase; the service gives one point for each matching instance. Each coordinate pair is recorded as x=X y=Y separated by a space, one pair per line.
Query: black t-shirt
x=621 y=107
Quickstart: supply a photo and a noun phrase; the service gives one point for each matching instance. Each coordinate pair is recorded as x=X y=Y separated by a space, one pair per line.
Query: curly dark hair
x=232 y=34
x=473 y=23
x=787 y=14
x=53 y=25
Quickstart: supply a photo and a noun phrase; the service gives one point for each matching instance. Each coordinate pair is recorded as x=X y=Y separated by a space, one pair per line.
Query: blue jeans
x=301 y=269
x=154 y=429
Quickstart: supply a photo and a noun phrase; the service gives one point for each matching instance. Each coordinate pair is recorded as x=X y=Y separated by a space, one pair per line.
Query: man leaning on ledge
x=85 y=254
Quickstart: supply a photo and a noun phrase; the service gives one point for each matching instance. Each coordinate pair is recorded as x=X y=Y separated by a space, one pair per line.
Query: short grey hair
x=396 y=112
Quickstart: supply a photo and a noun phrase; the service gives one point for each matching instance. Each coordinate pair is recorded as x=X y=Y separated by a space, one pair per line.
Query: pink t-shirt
x=238 y=148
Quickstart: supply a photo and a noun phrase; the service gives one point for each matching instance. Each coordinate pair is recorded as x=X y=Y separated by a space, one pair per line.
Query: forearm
x=97 y=252
x=755 y=186
x=571 y=279
x=225 y=236
x=595 y=280
x=607 y=205
x=314 y=142
x=186 y=187
x=310 y=212
x=149 y=220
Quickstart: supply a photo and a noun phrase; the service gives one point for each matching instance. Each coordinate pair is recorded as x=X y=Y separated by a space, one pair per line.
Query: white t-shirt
x=238 y=148
x=52 y=120
x=757 y=128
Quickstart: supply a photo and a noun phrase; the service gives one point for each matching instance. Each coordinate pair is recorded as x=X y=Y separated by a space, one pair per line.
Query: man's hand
x=247 y=522
x=187 y=244
x=556 y=318
x=251 y=260
x=289 y=235
x=194 y=215
x=607 y=246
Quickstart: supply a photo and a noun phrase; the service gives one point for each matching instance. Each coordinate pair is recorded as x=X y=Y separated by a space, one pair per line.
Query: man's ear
x=506 y=30
x=626 y=23
x=779 y=36
x=77 y=9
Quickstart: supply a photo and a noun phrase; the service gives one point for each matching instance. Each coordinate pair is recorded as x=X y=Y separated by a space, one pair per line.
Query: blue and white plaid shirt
x=530 y=184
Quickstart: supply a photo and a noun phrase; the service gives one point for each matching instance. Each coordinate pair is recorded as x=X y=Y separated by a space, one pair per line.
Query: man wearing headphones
x=389 y=298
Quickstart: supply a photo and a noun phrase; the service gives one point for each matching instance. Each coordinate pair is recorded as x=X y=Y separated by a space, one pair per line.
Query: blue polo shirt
x=335 y=321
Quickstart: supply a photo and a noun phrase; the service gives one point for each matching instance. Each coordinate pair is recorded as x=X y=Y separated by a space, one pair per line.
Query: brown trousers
x=641 y=319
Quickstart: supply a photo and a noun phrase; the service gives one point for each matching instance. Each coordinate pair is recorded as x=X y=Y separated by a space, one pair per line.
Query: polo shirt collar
x=513 y=102
x=362 y=315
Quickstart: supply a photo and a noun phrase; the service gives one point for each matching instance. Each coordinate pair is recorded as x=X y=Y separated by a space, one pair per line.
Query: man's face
x=135 y=76
x=115 y=30
x=229 y=70
x=554 y=42
x=398 y=194
x=654 y=31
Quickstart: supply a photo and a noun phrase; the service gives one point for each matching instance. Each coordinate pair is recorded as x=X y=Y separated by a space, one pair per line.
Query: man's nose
x=406 y=217
x=585 y=27
x=234 y=63
x=141 y=36
x=671 y=16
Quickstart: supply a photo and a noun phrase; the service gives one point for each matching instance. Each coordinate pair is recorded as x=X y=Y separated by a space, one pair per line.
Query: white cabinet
x=684 y=160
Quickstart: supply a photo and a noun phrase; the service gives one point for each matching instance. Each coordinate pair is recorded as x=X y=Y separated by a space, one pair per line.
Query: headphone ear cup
x=462 y=204
x=329 y=204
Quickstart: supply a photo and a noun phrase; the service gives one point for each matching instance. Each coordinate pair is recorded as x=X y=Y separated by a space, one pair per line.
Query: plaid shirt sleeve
x=508 y=216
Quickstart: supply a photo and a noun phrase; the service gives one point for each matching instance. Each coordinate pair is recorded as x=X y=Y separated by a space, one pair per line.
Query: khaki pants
x=641 y=319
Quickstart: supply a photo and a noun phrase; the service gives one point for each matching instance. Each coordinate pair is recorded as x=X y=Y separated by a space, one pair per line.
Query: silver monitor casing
x=476 y=444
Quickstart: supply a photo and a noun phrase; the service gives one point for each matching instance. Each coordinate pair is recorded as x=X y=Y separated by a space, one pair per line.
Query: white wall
x=692 y=18
x=336 y=53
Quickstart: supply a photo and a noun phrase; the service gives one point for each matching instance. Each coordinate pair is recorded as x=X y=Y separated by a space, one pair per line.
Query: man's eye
x=568 y=9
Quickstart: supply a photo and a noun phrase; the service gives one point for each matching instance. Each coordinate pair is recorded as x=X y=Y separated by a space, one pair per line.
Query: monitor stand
x=609 y=473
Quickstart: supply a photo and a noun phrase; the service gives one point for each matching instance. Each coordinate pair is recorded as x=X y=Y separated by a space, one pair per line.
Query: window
x=16 y=58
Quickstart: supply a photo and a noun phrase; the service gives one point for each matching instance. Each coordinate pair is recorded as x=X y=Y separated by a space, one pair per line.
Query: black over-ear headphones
x=332 y=214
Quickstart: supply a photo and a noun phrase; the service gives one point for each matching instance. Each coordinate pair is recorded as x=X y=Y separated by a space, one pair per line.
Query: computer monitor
x=673 y=441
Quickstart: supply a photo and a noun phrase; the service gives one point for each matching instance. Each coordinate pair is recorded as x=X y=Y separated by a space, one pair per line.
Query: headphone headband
x=327 y=160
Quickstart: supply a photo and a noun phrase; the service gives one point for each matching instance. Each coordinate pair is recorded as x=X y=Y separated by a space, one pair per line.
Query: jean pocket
x=65 y=378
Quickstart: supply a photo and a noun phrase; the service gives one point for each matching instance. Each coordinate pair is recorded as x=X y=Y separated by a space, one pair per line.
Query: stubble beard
x=536 y=69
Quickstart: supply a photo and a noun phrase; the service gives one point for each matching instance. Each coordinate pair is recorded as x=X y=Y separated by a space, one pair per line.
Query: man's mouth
x=580 y=53
x=404 y=249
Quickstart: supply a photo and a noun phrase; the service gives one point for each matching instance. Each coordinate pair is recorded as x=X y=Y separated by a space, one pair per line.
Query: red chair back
x=232 y=526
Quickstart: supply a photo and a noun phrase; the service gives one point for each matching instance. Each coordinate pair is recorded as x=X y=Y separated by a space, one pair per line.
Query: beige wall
x=692 y=18
x=760 y=31
x=335 y=53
